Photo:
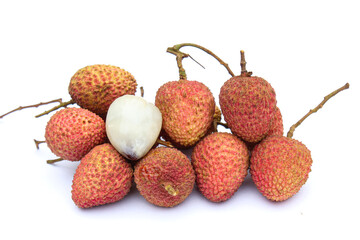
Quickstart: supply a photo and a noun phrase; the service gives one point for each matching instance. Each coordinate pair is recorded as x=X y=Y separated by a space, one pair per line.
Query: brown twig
x=179 y=57
x=62 y=104
x=37 y=143
x=244 y=72
x=326 y=98
x=178 y=46
x=165 y=143
x=32 y=106
x=54 y=160
x=225 y=125
x=214 y=126
x=142 y=91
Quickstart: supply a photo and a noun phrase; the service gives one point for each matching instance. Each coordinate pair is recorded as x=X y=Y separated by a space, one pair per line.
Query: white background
x=305 y=50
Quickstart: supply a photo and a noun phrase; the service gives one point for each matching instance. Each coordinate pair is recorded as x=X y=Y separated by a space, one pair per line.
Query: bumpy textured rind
x=280 y=166
x=276 y=128
x=73 y=132
x=248 y=105
x=103 y=176
x=161 y=169
x=95 y=87
x=220 y=161
x=187 y=108
x=276 y=125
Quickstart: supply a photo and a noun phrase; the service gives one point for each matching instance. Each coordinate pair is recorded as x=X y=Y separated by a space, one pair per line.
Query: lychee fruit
x=95 y=87
x=276 y=128
x=103 y=176
x=276 y=125
x=164 y=177
x=73 y=132
x=280 y=166
x=220 y=161
x=133 y=125
x=187 y=108
x=248 y=105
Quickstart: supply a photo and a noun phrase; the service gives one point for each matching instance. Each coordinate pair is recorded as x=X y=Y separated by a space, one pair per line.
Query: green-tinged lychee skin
x=187 y=108
x=73 y=132
x=280 y=166
x=248 y=105
x=164 y=177
x=276 y=126
x=95 y=87
x=103 y=176
x=220 y=161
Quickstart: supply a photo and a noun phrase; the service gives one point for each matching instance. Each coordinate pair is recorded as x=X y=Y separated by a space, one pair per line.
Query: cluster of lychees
x=116 y=136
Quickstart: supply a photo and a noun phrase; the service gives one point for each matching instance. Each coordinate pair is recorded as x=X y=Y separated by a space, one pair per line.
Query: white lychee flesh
x=133 y=126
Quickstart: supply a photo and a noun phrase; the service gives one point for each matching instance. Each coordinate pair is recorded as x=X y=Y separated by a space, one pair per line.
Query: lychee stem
x=62 y=104
x=225 y=125
x=31 y=106
x=326 y=98
x=142 y=91
x=180 y=55
x=37 y=143
x=54 y=160
x=215 y=124
x=178 y=46
x=242 y=62
x=244 y=72
x=165 y=143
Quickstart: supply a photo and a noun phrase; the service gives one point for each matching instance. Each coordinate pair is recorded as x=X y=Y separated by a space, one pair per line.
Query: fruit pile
x=120 y=138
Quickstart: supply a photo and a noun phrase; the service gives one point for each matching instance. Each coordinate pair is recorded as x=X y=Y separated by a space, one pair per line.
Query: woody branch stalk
x=326 y=98
x=178 y=46
x=179 y=57
x=63 y=104
x=33 y=106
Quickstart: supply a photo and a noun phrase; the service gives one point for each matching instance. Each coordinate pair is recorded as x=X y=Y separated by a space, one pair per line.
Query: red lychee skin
x=280 y=166
x=103 y=176
x=160 y=168
x=73 y=132
x=276 y=126
x=248 y=105
x=187 y=108
x=95 y=87
x=220 y=161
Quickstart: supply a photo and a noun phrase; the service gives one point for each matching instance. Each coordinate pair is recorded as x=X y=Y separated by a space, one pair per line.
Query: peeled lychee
x=103 y=176
x=220 y=161
x=73 y=132
x=133 y=125
x=280 y=166
x=187 y=108
x=95 y=87
x=164 y=177
x=248 y=105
